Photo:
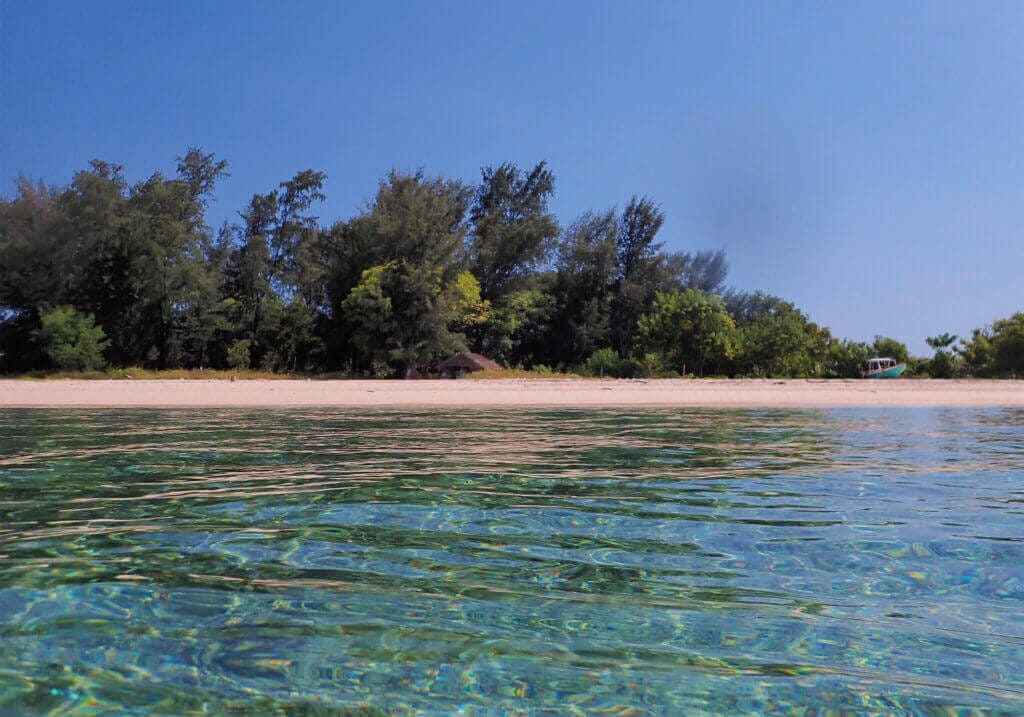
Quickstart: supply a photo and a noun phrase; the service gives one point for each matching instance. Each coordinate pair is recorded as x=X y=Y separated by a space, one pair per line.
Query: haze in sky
x=863 y=160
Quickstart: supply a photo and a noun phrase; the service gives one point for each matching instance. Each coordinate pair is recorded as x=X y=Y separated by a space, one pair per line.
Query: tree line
x=105 y=273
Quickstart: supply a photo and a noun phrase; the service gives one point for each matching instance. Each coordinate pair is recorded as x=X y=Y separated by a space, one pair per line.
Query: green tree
x=607 y=363
x=296 y=343
x=95 y=208
x=142 y=260
x=200 y=172
x=639 y=262
x=36 y=264
x=689 y=329
x=420 y=220
x=942 y=341
x=1008 y=345
x=941 y=364
x=371 y=314
x=603 y=362
x=166 y=237
x=403 y=316
x=407 y=309
x=134 y=257
x=512 y=228
x=72 y=340
x=774 y=338
x=517 y=329
x=705 y=270
x=238 y=356
x=846 y=359
x=37 y=267
x=270 y=263
x=198 y=324
x=888 y=347
x=977 y=354
x=511 y=234
x=469 y=307
x=583 y=290
x=995 y=351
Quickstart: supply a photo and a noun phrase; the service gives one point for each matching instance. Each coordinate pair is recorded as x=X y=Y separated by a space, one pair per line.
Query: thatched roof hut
x=463 y=363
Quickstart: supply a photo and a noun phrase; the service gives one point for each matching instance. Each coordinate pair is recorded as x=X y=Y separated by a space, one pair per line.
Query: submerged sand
x=733 y=393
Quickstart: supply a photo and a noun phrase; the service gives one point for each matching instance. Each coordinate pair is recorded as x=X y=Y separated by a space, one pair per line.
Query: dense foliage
x=101 y=272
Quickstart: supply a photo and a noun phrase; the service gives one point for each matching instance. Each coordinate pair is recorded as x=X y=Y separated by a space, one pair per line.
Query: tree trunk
x=410 y=368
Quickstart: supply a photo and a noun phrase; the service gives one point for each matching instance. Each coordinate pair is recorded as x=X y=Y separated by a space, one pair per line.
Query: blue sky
x=864 y=160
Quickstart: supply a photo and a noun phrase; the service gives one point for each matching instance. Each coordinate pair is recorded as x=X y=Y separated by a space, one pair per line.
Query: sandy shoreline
x=737 y=393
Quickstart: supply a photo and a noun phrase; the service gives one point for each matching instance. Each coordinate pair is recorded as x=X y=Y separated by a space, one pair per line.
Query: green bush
x=941 y=365
x=240 y=354
x=73 y=340
x=631 y=368
x=606 y=363
x=603 y=362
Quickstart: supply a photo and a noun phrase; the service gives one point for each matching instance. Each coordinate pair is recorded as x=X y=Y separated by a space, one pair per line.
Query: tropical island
x=103 y=274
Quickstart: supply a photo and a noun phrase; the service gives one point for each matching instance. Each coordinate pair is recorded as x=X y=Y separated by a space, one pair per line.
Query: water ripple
x=494 y=562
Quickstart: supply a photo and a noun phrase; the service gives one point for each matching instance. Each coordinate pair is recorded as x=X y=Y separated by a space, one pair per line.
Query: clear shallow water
x=494 y=562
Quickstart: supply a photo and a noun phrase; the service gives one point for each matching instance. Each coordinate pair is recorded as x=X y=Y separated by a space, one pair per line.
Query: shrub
x=239 y=354
x=631 y=368
x=603 y=362
x=941 y=365
x=606 y=362
x=73 y=340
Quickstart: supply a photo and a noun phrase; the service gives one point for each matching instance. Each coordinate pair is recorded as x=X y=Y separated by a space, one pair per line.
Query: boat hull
x=892 y=372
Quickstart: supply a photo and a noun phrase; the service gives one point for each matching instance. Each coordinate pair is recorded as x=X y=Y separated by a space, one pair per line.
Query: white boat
x=884 y=367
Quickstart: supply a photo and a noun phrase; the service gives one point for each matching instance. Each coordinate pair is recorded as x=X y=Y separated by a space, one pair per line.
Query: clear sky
x=864 y=160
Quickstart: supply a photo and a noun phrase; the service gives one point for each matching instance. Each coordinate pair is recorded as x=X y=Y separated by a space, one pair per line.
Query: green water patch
x=658 y=561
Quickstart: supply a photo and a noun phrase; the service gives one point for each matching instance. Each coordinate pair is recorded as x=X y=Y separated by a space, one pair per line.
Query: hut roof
x=470 y=362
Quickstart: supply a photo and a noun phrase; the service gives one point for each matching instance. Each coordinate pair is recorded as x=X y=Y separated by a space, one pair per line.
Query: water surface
x=618 y=562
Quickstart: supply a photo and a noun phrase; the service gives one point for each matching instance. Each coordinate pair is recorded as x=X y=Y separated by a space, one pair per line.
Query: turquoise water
x=501 y=562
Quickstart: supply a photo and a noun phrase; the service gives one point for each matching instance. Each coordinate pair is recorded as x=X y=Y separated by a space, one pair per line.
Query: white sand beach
x=740 y=393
